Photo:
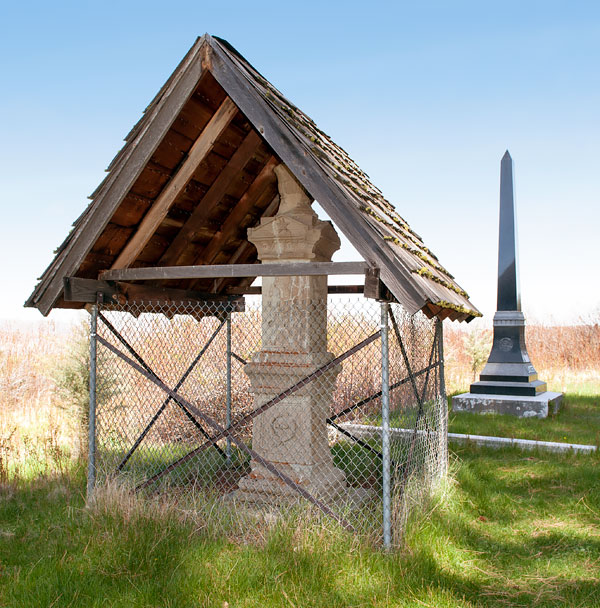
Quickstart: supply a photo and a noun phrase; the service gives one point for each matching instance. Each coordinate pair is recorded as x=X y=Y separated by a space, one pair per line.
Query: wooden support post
x=375 y=288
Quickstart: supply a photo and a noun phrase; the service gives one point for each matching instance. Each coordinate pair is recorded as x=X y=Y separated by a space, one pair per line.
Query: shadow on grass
x=515 y=530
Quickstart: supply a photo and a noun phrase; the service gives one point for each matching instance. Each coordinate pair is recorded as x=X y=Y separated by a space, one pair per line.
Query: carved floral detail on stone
x=284 y=429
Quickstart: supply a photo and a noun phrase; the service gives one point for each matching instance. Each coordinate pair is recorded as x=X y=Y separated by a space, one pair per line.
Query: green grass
x=578 y=421
x=514 y=529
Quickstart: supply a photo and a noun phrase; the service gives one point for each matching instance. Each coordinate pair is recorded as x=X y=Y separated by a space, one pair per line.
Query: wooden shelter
x=197 y=171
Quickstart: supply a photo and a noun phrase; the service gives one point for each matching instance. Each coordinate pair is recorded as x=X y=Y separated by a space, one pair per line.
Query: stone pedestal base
x=324 y=482
x=292 y=434
x=520 y=406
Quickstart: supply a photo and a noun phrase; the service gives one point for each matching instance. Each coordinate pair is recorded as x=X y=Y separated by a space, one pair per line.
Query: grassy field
x=578 y=421
x=512 y=529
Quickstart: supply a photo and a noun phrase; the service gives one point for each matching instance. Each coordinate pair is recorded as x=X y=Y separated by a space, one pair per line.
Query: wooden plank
x=208 y=202
x=283 y=269
x=238 y=213
x=172 y=223
x=110 y=194
x=331 y=289
x=94 y=260
x=435 y=310
x=372 y=283
x=454 y=315
x=428 y=311
x=86 y=290
x=131 y=210
x=202 y=146
x=444 y=313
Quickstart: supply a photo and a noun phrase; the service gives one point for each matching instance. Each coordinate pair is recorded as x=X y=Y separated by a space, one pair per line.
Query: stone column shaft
x=292 y=434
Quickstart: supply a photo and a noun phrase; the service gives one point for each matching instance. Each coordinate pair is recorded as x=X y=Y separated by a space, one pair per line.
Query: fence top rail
x=217 y=271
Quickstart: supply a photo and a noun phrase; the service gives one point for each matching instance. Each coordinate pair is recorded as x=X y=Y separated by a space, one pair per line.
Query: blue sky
x=425 y=96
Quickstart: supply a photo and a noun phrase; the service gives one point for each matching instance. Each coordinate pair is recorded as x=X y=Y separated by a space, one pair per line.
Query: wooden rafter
x=270 y=211
x=210 y=200
x=231 y=225
x=202 y=146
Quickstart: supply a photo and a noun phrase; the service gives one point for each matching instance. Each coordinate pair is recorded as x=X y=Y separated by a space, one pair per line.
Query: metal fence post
x=91 y=476
x=228 y=388
x=385 y=427
x=442 y=389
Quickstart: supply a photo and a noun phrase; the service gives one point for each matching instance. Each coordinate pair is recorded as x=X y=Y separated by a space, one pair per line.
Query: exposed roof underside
x=197 y=171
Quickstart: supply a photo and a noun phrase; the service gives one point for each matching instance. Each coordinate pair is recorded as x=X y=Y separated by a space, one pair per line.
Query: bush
x=72 y=379
x=477 y=347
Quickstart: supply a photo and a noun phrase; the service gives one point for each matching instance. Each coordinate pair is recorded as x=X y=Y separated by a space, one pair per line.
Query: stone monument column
x=508 y=383
x=509 y=370
x=293 y=433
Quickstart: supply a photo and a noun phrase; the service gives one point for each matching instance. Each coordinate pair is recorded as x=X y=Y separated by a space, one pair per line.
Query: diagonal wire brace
x=227 y=432
x=148 y=369
x=264 y=407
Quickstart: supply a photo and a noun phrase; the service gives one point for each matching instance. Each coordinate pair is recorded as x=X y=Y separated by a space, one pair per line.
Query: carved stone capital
x=295 y=233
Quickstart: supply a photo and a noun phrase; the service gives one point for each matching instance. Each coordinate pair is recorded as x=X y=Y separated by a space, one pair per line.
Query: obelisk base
x=538 y=406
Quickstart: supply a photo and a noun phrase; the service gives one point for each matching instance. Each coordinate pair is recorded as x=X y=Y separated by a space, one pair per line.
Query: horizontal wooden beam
x=331 y=289
x=77 y=289
x=284 y=269
x=87 y=290
x=375 y=288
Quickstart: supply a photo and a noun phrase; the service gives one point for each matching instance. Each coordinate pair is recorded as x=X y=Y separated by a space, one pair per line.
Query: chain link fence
x=243 y=410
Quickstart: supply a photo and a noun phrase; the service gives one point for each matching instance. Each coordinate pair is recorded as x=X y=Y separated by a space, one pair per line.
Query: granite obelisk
x=508 y=383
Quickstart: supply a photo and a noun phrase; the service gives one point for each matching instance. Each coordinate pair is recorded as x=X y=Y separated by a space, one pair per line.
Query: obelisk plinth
x=292 y=434
x=508 y=383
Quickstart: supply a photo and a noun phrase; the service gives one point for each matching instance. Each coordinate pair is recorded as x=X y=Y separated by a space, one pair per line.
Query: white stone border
x=482 y=440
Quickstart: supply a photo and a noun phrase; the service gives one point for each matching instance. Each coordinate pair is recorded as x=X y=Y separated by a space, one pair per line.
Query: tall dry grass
x=35 y=431
x=564 y=356
x=39 y=433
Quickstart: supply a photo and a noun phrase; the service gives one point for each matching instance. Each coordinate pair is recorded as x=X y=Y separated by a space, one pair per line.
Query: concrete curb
x=481 y=440
x=524 y=444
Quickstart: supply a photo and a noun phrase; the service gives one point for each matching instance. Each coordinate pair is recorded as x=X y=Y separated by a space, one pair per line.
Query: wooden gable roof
x=197 y=171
